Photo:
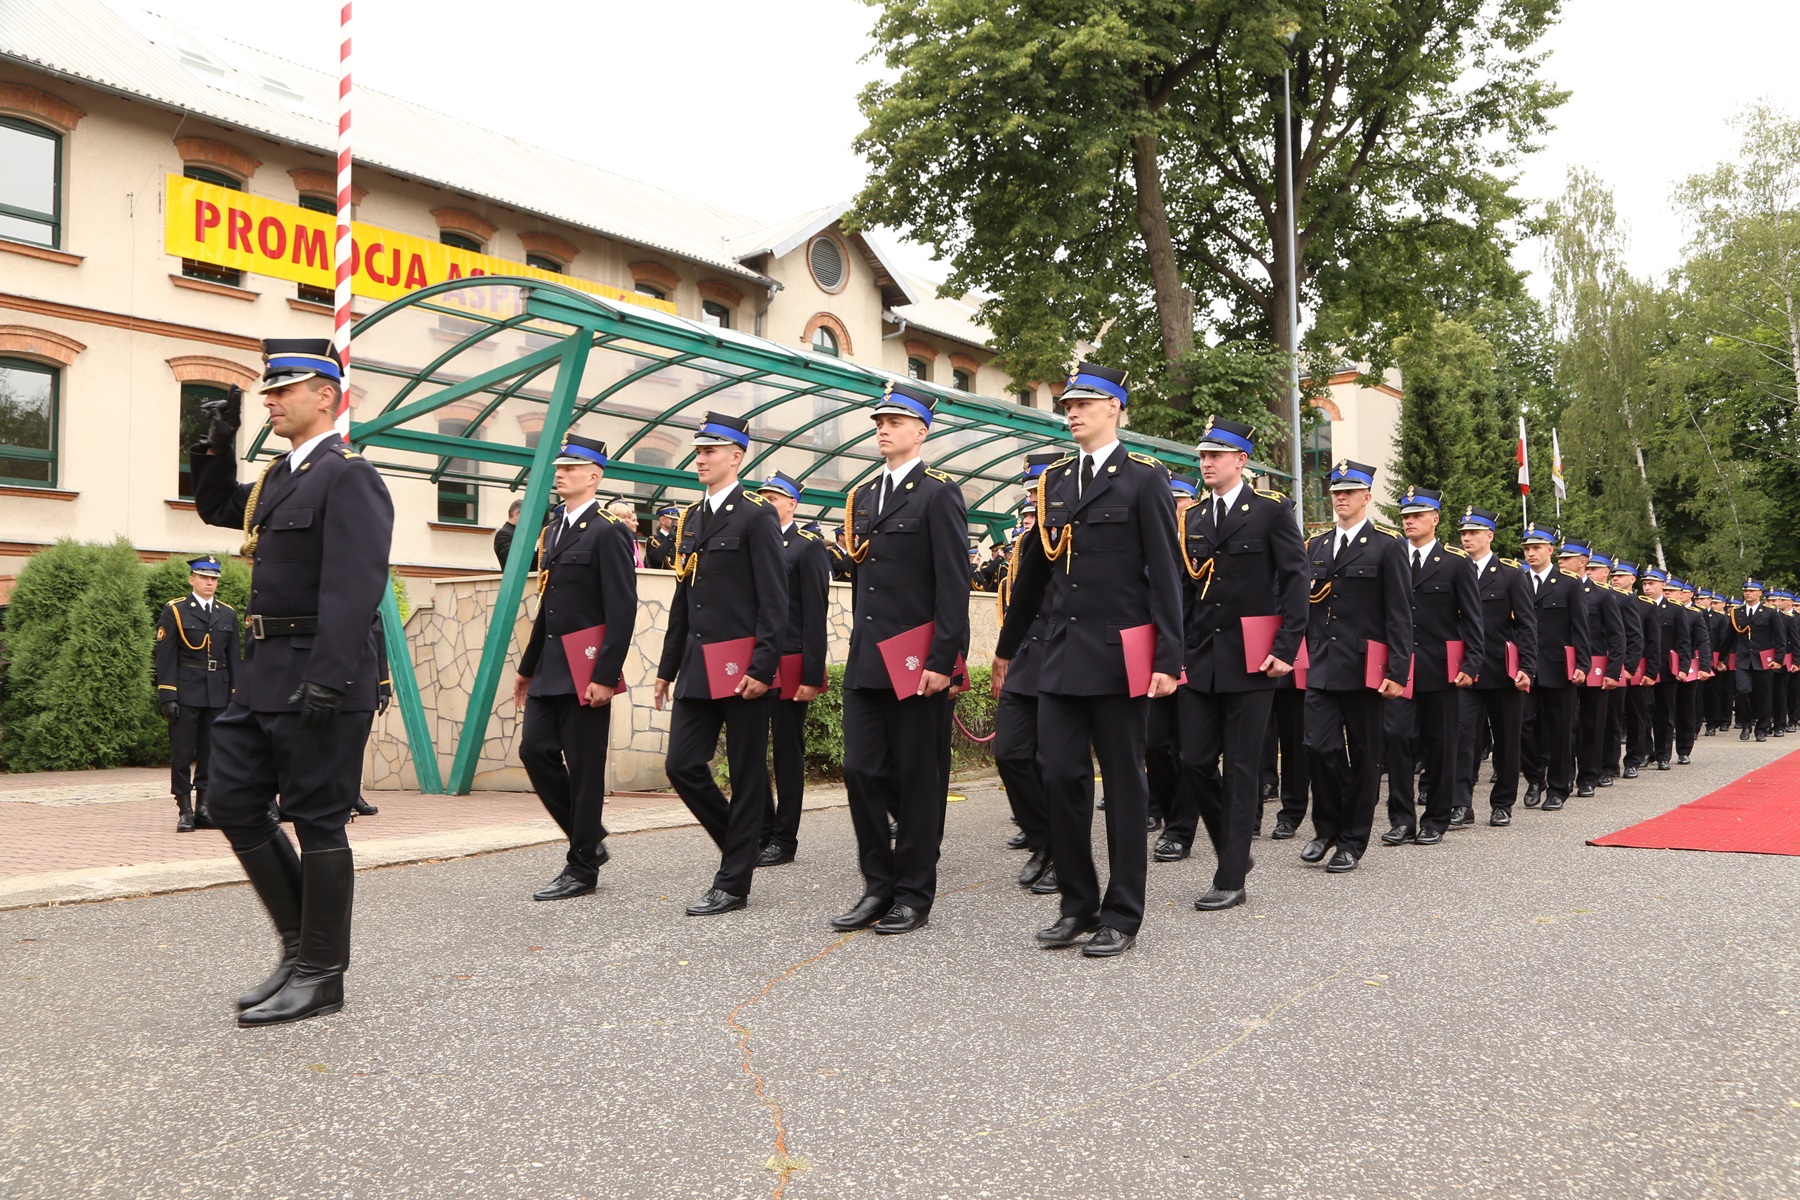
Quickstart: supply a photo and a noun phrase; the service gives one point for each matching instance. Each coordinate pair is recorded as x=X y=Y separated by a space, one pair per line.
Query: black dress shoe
x=563 y=887
x=363 y=808
x=1046 y=884
x=1107 y=942
x=1682 y=760
x=1460 y=816
x=1744 y=735
x=775 y=856
x=1534 y=795
x=1100 y=804
x=1662 y=764
x=1428 y=837
x=715 y=902
x=1397 y=835
x=1585 y=789
x=1628 y=773
x=1554 y=801
x=1500 y=816
x=1067 y=932
x=1604 y=781
x=1219 y=898
x=902 y=918
x=1268 y=791
x=1708 y=731
x=868 y=910
x=1169 y=850
x=1314 y=851
x=1035 y=866
x=1282 y=832
x=1779 y=733
x=1016 y=841
x=1762 y=737
x=1152 y=824
x=184 y=818
x=1340 y=862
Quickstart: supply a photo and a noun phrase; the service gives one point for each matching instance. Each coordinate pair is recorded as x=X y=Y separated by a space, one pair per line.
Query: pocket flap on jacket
x=293 y=518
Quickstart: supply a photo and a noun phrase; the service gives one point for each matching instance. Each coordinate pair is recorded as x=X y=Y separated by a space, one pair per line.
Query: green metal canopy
x=478 y=380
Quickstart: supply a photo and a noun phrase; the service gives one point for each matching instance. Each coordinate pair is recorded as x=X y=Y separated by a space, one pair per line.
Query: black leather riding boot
x=316 y=986
x=274 y=871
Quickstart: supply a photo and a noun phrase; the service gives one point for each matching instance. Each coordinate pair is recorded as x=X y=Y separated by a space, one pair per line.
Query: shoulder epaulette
x=176 y=600
x=1387 y=529
x=1064 y=461
x=609 y=514
x=1454 y=550
x=1266 y=494
x=224 y=606
x=346 y=451
x=1570 y=574
x=811 y=537
x=938 y=475
x=1647 y=600
x=1143 y=458
x=754 y=498
x=1511 y=562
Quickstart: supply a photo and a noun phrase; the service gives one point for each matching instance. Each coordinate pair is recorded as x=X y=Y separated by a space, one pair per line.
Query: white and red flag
x=1524 y=461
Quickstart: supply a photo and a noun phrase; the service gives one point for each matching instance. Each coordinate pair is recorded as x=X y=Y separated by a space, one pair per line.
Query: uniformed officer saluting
x=802 y=639
x=908 y=534
x=1445 y=609
x=1360 y=609
x=587 y=607
x=196 y=649
x=659 y=547
x=317 y=527
x=1245 y=570
x=731 y=589
x=1498 y=695
x=1103 y=570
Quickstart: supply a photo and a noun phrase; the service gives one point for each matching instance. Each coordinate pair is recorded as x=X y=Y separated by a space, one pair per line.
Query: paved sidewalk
x=101 y=835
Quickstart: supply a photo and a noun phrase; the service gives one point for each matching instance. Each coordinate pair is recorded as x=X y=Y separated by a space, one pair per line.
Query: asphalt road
x=1509 y=1014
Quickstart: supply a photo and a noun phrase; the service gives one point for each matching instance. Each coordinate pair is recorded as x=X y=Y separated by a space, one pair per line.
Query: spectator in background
x=503 y=536
x=659 y=547
x=627 y=514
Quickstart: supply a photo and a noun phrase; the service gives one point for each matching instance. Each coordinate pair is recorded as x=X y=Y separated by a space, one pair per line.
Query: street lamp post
x=1293 y=287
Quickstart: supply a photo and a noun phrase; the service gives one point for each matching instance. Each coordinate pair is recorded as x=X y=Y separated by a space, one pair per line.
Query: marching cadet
x=1509 y=640
x=1564 y=652
x=1717 y=693
x=317 y=527
x=1676 y=639
x=1102 y=570
x=1639 y=740
x=1612 y=739
x=1244 y=563
x=1606 y=630
x=587 y=609
x=1687 y=690
x=1757 y=641
x=1015 y=735
x=977 y=571
x=730 y=589
x=841 y=565
x=1785 y=689
x=196 y=650
x=1360 y=590
x=1171 y=801
x=908 y=530
x=1446 y=609
x=659 y=547
x=803 y=644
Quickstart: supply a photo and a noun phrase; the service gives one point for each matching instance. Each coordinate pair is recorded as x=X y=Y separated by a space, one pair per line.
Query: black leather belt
x=267 y=627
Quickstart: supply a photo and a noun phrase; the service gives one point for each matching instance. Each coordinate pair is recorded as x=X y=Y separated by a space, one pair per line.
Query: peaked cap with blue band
x=1480 y=518
x=290 y=360
x=1351 y=476
x=578 y=451
x=674 y=510
x=1418 y=500
x=1653 y=575
x=1752 y=585
x=1182 y=485
x=1597 y=559
x=1537 y=535
x=904 y=400
x=205 y=565
x=720 y=430
x=1227 y=435
x=1574 y=550
x=1095 y=382
x=1035 y=464
x=1621 y=567
x=783 y=483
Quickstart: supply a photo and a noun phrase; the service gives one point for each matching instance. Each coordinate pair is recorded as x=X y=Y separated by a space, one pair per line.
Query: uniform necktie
x=1418 y=563
x=1087 y=472
x=1537 y=583
x=1343 y=540
x=1219 y=513
x=887 y=493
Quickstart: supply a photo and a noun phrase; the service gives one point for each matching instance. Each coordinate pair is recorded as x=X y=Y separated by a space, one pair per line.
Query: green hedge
x=825 y=727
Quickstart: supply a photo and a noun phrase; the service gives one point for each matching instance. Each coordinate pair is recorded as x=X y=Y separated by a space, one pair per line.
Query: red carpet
x=1758 y=814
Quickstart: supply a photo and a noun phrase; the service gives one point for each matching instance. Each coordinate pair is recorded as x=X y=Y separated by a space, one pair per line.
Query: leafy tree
x=1082 y=162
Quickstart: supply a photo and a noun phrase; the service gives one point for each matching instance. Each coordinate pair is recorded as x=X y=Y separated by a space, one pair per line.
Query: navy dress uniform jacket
x=1673 y=633
x=1258 y=569
x=1650 y=626
x=738 y=589
x=1507 y=615
x=1753 y=633
x=196 y=652
x=1631 y=616
x=916 y=571
x=1360 y=596
x=590 y=578
x=1606 y=627
x=1562 y=615
x=809 y=591
x=1446 y=607
x=1119 y=571
x=322 y=551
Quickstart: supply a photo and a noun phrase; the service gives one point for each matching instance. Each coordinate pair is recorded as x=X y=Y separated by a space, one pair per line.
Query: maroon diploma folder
x=787 y=676
x=1375 y=667
x=582 y=649
x=1597 y=671
x=726 y=665
x=1259 y=640
x=1454 y=653
x=904 y=655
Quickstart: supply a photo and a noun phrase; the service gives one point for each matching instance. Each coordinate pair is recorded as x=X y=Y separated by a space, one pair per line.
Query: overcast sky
x=753 y=106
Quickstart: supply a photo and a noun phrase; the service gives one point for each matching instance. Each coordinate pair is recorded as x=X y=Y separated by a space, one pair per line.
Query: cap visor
x=707 y=439
x=281 y=381
x=1227 y=447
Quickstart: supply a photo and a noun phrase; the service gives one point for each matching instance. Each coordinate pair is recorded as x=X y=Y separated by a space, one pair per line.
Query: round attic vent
x=827 y=263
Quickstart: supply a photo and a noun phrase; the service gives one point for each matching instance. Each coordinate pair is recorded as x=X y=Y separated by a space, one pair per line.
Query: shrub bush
x=825 y=726
x=49 y=587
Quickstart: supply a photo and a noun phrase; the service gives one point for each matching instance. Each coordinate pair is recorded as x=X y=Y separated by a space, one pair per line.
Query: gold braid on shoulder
x=1054 y=548
x=181 y=630
x=538 y=558
x=1003 y=594
x=1735 y=627
x=1322 y=593
x=251 y=532
x=1201 y=574
x=857 y=553
x=685 y=564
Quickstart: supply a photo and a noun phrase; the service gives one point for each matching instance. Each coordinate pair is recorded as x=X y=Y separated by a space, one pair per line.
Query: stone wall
x=445 y=633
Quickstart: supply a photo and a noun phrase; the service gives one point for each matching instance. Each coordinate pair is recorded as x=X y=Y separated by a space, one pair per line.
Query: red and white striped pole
x=341 y=259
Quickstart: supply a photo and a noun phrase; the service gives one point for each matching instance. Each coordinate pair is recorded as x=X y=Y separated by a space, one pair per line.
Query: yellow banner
x=227 y=228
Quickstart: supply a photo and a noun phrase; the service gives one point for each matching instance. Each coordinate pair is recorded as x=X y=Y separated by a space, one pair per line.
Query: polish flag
x=1556 y=471
x=1524 y=463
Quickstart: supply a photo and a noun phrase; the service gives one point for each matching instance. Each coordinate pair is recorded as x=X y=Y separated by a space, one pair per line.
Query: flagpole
x=342 y=259
x=1524 y=476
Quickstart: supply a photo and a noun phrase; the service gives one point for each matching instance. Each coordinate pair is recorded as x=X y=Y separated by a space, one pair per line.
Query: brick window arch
x=826 y=321
x=218 y=156
x=470 y=225
x=17 y=100
x=549 y=247
x=965 y=368
x=1329 y=406
x=309 y=182
x=38 y=345
x=202 y=368
x=654 y=275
